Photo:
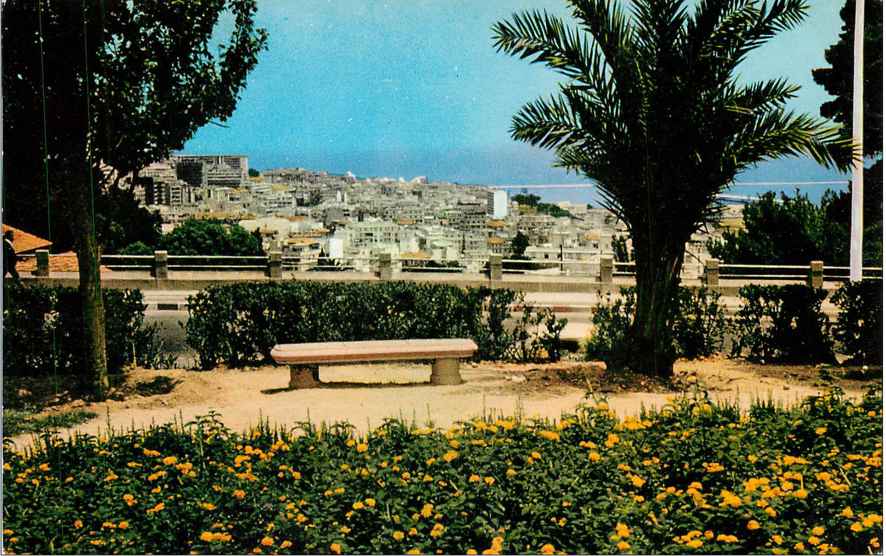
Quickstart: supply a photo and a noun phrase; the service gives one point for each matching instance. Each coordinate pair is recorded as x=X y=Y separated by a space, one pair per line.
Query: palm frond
x=778 y=133
x=545 y=39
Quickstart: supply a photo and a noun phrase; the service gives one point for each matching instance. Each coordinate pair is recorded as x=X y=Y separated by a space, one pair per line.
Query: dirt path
x=242 y=397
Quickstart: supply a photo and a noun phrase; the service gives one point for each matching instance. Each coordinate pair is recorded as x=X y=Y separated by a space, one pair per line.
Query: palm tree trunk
x=650 y=348
x=95 y=360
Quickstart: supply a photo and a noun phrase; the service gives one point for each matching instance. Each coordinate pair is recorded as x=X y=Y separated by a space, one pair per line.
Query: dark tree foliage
x=620 y=249
x=518 y=245
x=837 y=79
x=210 y=237
x=653 y=111
x=96 y=90
x=785 y=230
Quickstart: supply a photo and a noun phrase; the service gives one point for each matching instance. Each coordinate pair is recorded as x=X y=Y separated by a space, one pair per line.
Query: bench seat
x=304 y=359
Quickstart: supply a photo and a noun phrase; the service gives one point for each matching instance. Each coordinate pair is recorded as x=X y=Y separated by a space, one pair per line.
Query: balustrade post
x=42 y=263
x=275 y=265
x=494 y=273
x=607 y=268
x=712 y=273
x=815 y=278
x=385 y=267
x=161 y=265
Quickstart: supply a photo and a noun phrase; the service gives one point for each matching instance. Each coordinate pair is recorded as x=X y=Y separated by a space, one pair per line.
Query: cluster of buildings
x=316 y=218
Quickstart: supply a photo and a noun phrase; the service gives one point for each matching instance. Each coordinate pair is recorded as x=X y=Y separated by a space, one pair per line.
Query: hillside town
x=315 y=217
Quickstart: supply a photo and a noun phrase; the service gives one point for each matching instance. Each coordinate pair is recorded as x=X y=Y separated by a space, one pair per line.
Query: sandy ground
x=365 y=395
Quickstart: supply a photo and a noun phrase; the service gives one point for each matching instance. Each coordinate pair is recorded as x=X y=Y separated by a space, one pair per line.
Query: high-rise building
x=497 y=203
x=212 y=170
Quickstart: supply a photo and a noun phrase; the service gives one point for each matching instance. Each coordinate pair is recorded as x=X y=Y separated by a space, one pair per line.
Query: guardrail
x=602 y=269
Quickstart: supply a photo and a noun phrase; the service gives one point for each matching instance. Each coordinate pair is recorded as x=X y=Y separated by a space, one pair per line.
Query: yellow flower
x=637 y=481
x=427 y=510
x=362 y=447
x=357 y=505
x=335 y=547
x=471 y=551
x=474 y=478
x=857 y=527
x=344 y=529
x=770 y=511
x=594 y=457
x=753 y=525
x=752 y=458
x=123 y=525
x=78 y=524
x=694 y=543
x=44 y=467
x=821 y=430
x=129 y=499
x=239 y=494
x=623 y=546
x=847 y=512
x=818 y=531
x=150 y=453
x=799 y=547
x=727 y=538
x=801 y=493
x=510 y=473
x=547 y=549
x=207 y=506
x=450 y=456
x=813 y=540
x=267 y=541
x=549 y=435
x=399 y=535
x=285 y=544
x=489 y=481
x=169 y=460
x=535 y=455
x=370 y=502
x=410 y=551
x=777 y=539
x=612 y=440
x=159 y=507
x=437 y=530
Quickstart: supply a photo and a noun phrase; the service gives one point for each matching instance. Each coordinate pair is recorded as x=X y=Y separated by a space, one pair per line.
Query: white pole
x=855 y=235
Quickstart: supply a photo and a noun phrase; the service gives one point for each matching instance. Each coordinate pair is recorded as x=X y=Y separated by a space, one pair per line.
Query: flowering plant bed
x=693 y=477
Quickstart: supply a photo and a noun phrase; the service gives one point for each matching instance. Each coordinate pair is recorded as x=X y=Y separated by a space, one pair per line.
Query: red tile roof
x=25 y=242
x=61 y=262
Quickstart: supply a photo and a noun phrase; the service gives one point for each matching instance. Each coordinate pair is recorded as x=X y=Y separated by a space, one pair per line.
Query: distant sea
x=781 y=176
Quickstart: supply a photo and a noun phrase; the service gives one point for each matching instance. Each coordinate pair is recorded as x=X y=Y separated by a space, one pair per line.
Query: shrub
x=43 y=331
x=241 y=323
x=859 y=327
x=698 y=322
x=611 y=321
x=783 y=323
x=694 y=477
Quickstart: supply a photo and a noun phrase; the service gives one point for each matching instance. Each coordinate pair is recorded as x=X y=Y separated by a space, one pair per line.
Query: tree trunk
x=650 y=347
x=95 y=359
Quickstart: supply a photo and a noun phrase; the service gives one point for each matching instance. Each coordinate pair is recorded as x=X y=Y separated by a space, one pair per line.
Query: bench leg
x=304 y=376
x=445 y=371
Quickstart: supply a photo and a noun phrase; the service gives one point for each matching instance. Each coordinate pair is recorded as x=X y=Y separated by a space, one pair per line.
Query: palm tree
x=653 y=113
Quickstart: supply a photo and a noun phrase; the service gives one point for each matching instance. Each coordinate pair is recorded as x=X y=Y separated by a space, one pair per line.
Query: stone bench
x=304 y=359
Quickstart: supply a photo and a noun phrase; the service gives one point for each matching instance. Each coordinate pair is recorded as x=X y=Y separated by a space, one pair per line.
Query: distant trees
x=204 y=237
x=636 y=81
x=253 y=173
x=789 y=230
x=533 y=201
x=519 y=243
x=93 y=91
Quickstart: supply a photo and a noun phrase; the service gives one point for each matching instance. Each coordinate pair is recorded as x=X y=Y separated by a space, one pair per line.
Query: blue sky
x=407 y=88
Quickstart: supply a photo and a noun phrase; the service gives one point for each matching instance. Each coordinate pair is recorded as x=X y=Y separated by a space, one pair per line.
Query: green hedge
x=698 y=324
x=859 y=326
x=241 y=323
x=43 y=330
x=693 y=478
x=783 y=324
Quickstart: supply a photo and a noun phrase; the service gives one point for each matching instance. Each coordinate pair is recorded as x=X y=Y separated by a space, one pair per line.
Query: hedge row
x=693 y=478
x=43 y=330
x=774 y=323
x=241 y=323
